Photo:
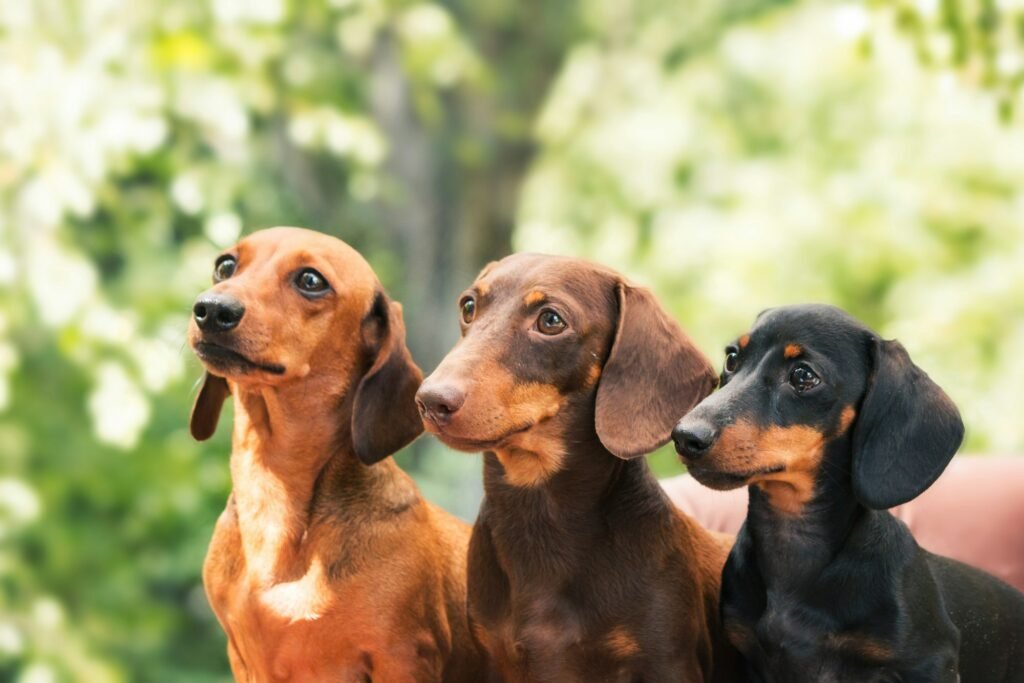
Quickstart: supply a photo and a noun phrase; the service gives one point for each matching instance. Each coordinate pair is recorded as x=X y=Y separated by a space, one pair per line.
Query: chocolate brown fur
x=580 y=567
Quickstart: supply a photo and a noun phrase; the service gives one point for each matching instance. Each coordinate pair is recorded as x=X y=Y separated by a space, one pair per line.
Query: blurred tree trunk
x=456 y=181
x=415 y=206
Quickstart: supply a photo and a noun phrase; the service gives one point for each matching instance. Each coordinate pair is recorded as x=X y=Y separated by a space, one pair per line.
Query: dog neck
x=793 y=549
x=558 y=523
x=287 y=473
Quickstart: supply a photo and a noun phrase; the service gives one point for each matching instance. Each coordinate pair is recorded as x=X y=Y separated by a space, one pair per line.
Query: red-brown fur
x=323 y=567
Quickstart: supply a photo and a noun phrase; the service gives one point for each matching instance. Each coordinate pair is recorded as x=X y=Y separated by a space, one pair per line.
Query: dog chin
x=717 y=479
x=227 y=369
x=475 y=445
x=225 y=362
x=462 y=444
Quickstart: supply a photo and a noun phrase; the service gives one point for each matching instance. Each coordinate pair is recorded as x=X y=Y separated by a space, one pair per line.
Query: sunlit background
x=731 y=154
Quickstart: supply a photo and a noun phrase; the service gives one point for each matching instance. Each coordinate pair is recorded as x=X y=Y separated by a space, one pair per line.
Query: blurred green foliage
x=731 y=154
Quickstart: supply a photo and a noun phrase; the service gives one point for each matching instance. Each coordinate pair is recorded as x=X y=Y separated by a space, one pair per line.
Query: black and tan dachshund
x=830 y=425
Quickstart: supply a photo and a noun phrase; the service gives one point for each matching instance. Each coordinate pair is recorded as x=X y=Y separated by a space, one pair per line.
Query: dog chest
x=546 y=641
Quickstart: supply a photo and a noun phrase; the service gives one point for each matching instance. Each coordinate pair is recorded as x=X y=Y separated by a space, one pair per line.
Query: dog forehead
x=294 y=247
x=538 y=276
x=819 y=326
x=808 y=331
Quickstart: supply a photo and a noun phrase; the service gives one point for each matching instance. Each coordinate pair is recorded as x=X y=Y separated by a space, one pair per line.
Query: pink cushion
x=974 y=512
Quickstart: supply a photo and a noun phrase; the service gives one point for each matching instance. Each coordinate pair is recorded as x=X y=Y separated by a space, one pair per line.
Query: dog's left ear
x=206 y=410
x=907 y=431
x=384 y=414
x=653 y=376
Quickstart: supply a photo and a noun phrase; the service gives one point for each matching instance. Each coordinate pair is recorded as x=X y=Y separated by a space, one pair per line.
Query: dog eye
x=549 y=322
x=224 y=268
x=802 y=378
x=732 y=361
x=468 y=311
x=311 y=282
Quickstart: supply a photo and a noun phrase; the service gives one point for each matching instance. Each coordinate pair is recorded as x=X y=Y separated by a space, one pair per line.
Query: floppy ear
x=907 y=431
x=206 y=409
x=653 y=376
x=384 y=415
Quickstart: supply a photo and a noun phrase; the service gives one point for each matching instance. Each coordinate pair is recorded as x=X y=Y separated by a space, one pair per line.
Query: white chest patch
x=302 y=600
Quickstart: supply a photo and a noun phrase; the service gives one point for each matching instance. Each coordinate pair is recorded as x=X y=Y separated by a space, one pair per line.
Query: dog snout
x=694 y=437
x=216 y=312
x=439 y=402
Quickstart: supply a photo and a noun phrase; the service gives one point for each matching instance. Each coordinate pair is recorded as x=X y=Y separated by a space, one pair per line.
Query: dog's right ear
x=653 y=376
x=206 y=409
x=384 y=417
x=906 y=433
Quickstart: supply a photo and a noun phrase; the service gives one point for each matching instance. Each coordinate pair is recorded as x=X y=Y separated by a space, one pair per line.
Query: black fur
x=835 y=588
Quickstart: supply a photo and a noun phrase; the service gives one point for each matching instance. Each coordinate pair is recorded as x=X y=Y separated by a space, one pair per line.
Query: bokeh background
x=731 y=154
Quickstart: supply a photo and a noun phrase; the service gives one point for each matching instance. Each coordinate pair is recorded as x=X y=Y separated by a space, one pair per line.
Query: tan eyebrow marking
x=846 y=418
x=482 y=288
x=534 y=297
x=744 y=340
x=792 y=350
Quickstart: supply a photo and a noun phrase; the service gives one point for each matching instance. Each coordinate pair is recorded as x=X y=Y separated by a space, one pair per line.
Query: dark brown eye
x=311 y=282
x=732 y=361
x=549 y=322
x=802 y=378
x=468 y=310
x=224 y=268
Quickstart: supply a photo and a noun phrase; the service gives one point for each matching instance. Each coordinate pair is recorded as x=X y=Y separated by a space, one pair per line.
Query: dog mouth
x=461 y=443
x=724 y=480
x=225 y=359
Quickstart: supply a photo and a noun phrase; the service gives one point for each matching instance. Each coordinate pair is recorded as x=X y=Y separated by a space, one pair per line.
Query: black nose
x=438 y=402
x=694 y=437
x=217 y=312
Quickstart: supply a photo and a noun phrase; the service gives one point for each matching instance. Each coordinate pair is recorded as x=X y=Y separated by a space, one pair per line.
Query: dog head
x=558 y=351
x=292 y=306
x=810 y=389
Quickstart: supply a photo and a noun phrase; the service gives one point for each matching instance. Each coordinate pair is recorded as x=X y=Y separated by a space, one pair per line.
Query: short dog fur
x=323 y=567
x=830 y=425
x=581 y=570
